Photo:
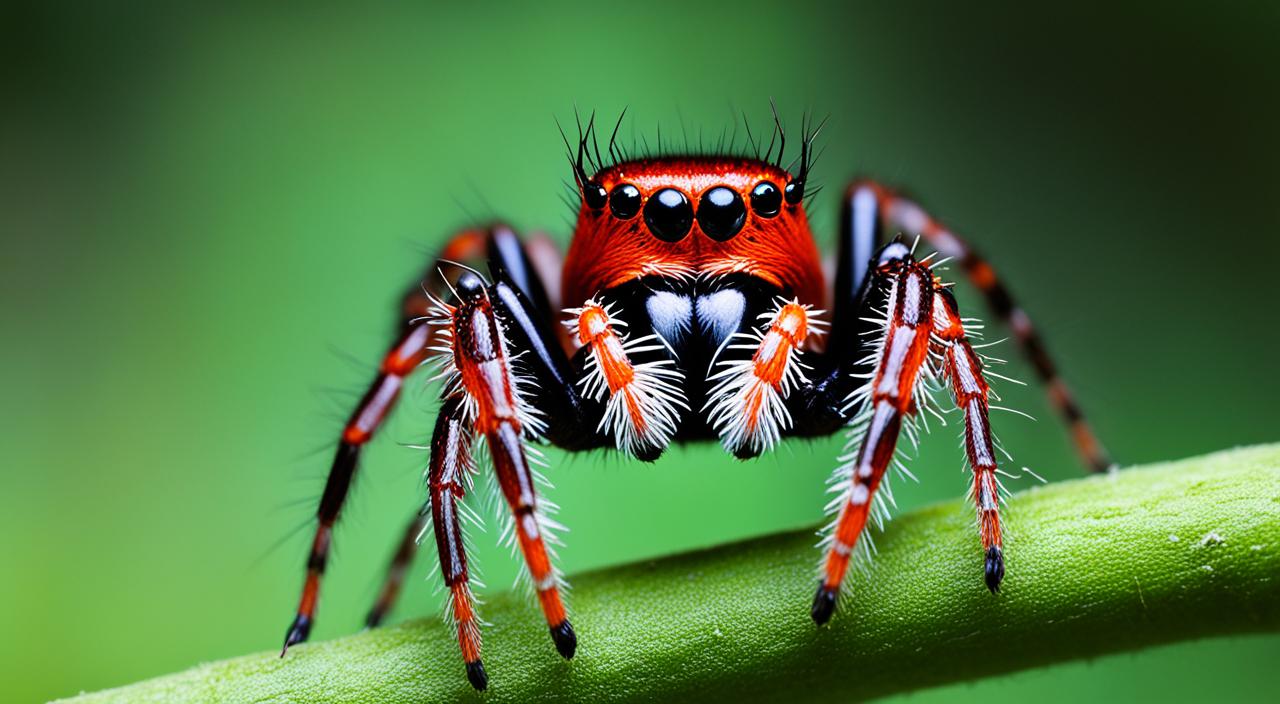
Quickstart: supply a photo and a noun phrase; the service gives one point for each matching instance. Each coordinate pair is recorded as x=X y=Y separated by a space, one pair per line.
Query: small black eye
x=594 y=195
x=795 y=191
x=766 y=199
x=624 y=201
x=668 y=215
x=721 y=213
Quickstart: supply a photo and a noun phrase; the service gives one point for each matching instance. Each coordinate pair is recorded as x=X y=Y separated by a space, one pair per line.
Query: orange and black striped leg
x=404 y=356
x=448 y=479
x=503 y=417
x=396 y=571
x=887 y=402
x=962 y=366
x=872 y=200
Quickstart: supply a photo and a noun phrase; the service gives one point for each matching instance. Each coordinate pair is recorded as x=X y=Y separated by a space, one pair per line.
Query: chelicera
x=689 y=307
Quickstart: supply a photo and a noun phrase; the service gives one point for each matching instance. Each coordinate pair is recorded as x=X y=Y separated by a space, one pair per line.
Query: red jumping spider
x=693 y=284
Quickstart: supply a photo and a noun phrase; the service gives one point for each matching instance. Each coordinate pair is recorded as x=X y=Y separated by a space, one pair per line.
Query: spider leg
x=449 y=477
x=396 y=570
x=886 y=402
x=872 y=200
x=962 y=366
x=522 y=296
x=819 y=409
x=405 y=355
x=498 y=411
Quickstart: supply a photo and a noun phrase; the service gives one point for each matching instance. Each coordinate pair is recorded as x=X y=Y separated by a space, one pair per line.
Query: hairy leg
x=886 y=402
x=872 y=201
x=405 y=355
x=963 y=368
x=494 y=399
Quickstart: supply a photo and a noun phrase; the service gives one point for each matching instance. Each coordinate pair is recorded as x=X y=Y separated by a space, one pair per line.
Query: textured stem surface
x=1147 y=556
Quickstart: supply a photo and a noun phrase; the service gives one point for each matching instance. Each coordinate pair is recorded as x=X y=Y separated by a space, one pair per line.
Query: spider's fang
x=565 y=639
x=476 y=675
x=824 y=605
x=994 y=571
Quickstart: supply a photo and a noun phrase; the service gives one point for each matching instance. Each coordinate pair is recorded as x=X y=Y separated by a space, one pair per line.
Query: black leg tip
x=824 y=605
x=374 y=619
x=476 y=675
x=994 y=571
x=565 y=639
x=297 y=633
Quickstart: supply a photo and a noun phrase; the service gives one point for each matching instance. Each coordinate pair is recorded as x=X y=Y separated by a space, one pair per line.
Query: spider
x=692 y=289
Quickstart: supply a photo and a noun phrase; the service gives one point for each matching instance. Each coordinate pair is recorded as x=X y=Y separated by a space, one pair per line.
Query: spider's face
x=685 y=216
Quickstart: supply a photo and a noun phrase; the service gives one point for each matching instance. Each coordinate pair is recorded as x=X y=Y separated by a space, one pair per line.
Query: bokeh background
x=208 y=217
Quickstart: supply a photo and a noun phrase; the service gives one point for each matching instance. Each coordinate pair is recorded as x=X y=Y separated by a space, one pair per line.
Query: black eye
x=594 y=195
x=721 y=213
x=668 y=215
x=766 y=199
x=795 y=191
x=624 y=201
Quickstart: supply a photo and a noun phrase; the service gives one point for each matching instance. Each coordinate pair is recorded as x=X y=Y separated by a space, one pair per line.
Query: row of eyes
x=669 y=214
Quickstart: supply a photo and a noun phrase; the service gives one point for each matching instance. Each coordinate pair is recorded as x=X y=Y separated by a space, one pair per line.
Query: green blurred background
x=208 y=217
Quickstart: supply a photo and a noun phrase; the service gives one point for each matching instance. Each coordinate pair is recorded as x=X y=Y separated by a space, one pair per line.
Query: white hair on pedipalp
x=736 y=386
x=654 y=389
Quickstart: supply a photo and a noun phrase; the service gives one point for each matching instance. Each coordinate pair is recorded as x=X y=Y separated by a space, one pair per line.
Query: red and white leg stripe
x=902 y=356
x=962 y=365
x=480 y=376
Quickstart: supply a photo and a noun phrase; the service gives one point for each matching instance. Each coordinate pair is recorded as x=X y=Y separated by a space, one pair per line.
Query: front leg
x=922 y=336
x=885 y=402
x=491 y=400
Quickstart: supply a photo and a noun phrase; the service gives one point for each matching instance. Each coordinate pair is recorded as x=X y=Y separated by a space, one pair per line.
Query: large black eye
x=668 y=215
x=624 y=201
x=721 y=213
x=594 y=195
x=766 y=199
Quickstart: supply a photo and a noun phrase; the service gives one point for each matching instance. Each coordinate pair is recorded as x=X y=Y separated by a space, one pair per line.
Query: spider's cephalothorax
x=691 y=306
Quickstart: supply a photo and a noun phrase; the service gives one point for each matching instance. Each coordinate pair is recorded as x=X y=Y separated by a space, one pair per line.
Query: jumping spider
x=693 y=285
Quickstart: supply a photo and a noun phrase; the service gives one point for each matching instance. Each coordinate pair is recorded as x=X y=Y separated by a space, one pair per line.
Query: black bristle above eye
x=593 y=194
x=794 y=191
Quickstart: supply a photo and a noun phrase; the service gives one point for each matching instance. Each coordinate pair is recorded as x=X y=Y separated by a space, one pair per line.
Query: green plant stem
x=1147 y=556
